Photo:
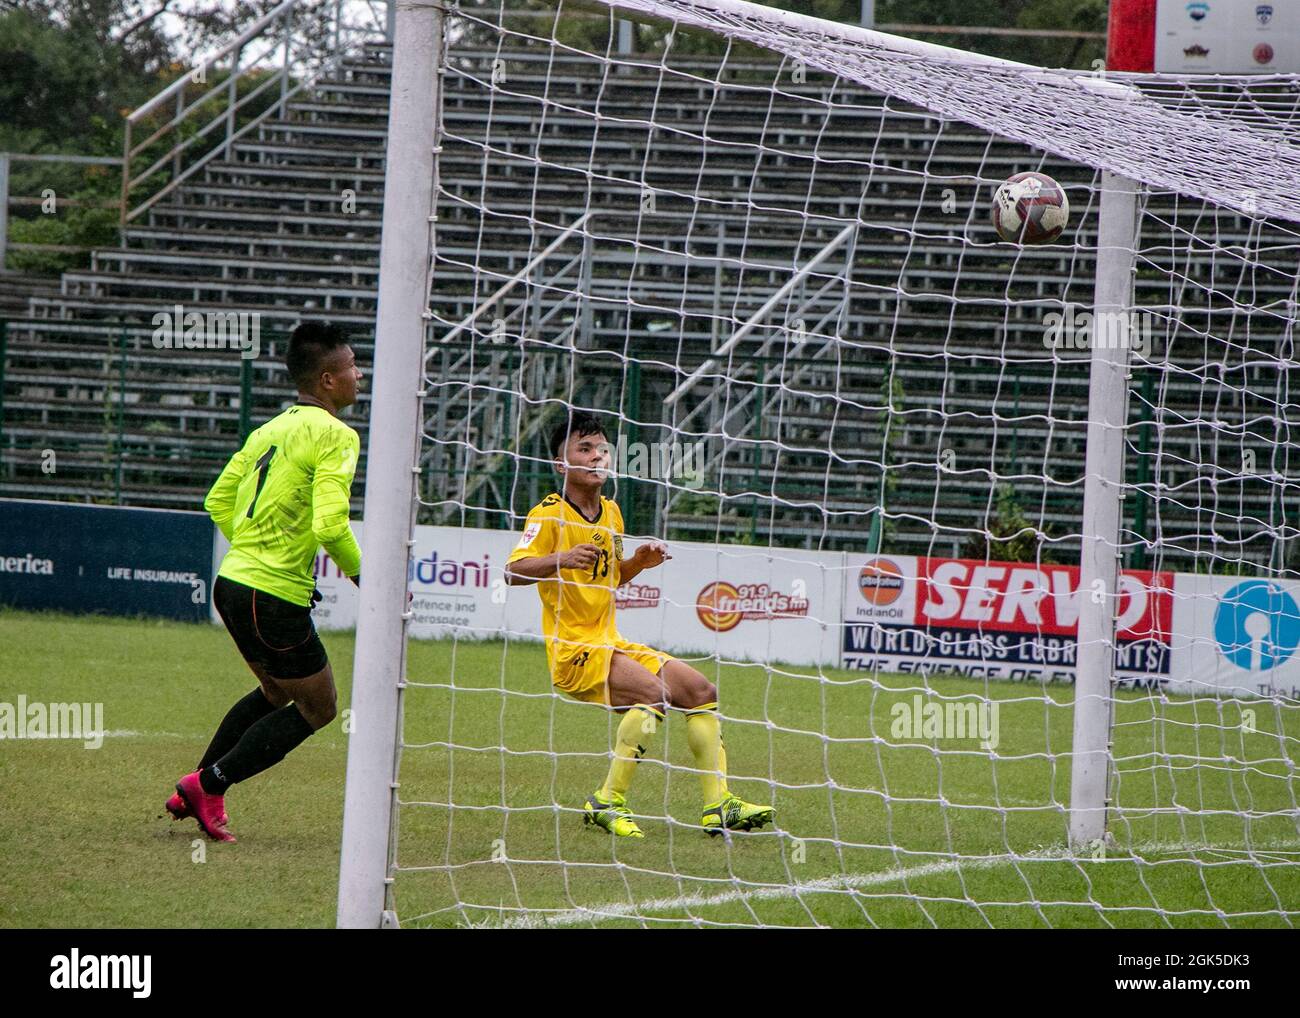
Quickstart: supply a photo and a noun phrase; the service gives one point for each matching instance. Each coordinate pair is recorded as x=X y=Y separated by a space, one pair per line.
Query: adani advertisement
x=737 y=604
x=457 y=586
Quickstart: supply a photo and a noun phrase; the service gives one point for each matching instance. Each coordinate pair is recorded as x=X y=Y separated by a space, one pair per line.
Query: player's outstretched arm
x=543 y=567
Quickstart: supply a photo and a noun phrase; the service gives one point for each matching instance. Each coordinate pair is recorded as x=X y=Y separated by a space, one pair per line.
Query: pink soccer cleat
x=208 y=810
x=179 y=810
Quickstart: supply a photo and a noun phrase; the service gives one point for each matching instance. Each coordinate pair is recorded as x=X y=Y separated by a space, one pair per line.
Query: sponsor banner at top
x=888 y=613
x=1227 y=36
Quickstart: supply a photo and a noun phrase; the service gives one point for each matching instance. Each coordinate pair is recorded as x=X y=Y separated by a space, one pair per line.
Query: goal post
x=1101 y=553
x=396 y=403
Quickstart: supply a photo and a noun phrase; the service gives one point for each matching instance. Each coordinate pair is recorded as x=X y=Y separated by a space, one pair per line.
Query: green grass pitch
x=872 y=830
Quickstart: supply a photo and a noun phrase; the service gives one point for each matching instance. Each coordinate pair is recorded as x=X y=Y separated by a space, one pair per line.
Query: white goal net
x=915 y=480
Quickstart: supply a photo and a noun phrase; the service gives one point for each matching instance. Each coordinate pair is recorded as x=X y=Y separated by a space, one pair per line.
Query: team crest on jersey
x=530 y=532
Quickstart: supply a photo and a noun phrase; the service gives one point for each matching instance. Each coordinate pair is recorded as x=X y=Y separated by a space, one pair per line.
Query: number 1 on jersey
x=263 y=465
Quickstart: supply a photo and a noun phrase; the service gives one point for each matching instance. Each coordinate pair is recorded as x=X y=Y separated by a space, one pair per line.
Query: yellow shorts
x=583 y=671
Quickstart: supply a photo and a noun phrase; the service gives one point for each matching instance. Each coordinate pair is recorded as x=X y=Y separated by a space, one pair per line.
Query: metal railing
x=478 y=377
x=270 y=61
x=7 y=199
x=761 y=314
x=84 y=415
x=723 y=408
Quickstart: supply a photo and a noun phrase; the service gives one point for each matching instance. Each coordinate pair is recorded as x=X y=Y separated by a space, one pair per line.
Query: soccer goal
x=989 y=549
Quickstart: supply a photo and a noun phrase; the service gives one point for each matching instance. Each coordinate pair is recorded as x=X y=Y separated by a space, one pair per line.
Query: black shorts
x=269 y=631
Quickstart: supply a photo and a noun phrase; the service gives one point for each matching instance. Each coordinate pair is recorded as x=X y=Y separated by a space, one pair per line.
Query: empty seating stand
x=288 y=226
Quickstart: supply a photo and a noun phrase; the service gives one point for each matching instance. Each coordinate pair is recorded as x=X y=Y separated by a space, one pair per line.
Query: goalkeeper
x=572 y=548
x=281 y=497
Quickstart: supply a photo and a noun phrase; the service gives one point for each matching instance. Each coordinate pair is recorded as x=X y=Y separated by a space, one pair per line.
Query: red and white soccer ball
x=1030 y=208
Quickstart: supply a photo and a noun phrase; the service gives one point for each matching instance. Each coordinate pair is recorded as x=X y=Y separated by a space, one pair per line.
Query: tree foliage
x=1010 y=535
x=72 y=70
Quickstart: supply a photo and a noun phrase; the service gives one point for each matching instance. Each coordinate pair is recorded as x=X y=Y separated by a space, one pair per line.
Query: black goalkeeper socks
x=239 y=719
x=264 y=745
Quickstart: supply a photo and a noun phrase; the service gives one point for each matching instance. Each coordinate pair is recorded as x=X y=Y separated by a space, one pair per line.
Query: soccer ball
x=1030 y=208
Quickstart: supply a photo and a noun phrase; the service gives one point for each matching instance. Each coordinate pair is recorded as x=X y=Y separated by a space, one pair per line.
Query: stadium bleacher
x=751 y=185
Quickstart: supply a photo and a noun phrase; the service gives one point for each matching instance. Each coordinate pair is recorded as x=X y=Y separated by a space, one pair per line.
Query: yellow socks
x=635 y=731
x=704 y=736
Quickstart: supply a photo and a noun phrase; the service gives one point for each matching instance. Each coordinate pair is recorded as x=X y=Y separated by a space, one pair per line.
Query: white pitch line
x=623 y=910
x=1161 y=847
x=617 y=910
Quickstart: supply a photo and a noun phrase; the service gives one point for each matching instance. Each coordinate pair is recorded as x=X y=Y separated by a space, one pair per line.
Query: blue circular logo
x=1257 y=625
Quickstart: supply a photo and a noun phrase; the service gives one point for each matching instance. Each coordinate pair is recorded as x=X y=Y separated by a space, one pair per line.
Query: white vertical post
x=392 y=466
x=232 y=99
x=4 y=209
x=868 y=14
x=1102 y=498
x=288 y=56
x=624 y=36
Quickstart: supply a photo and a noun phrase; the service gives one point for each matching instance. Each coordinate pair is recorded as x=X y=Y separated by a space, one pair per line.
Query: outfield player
x=279 y=499
x=572 y=548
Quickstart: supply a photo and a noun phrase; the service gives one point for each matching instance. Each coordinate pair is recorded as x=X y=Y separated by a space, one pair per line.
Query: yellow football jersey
x=578 y=604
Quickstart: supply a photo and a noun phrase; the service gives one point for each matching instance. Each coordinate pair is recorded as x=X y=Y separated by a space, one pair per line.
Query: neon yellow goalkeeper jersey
x=284 y=495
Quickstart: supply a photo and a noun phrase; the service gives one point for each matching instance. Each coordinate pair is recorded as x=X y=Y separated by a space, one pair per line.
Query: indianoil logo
x=722 y=606
x=880 y=582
